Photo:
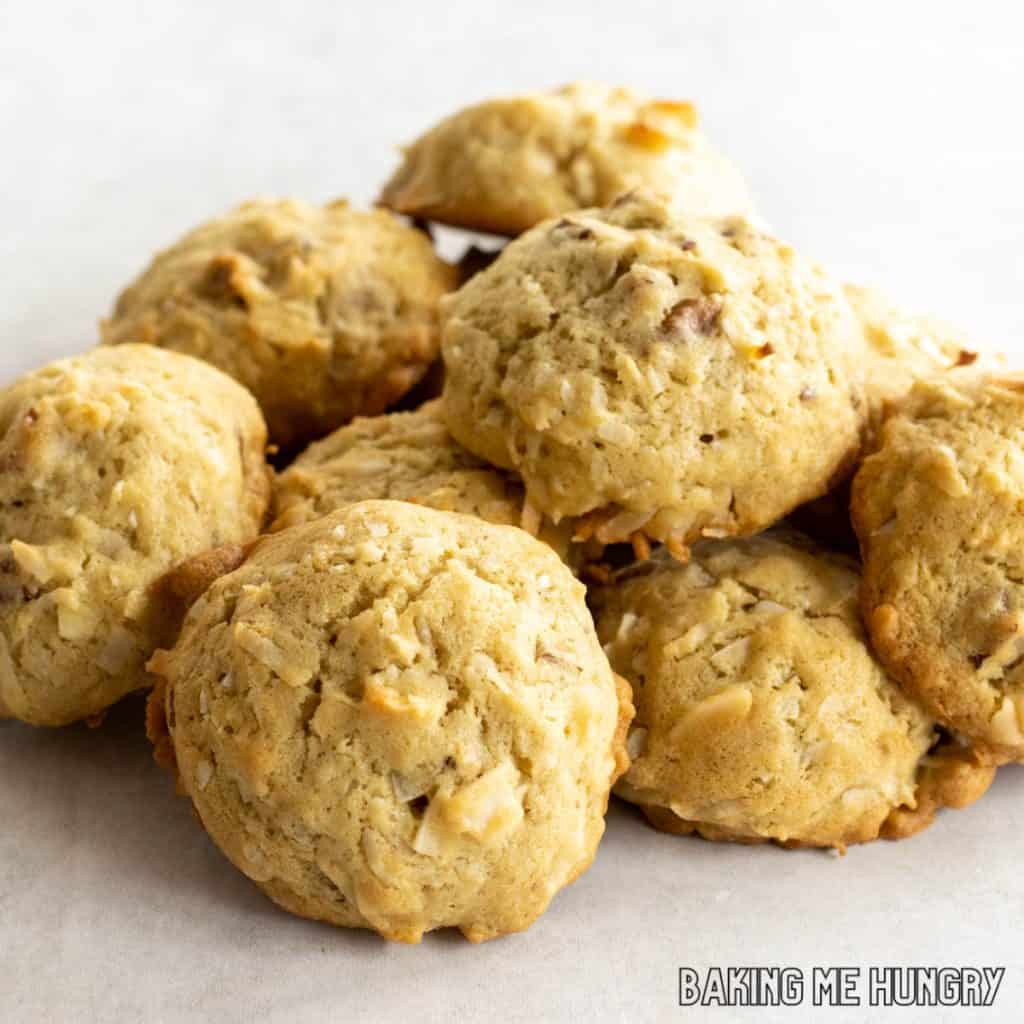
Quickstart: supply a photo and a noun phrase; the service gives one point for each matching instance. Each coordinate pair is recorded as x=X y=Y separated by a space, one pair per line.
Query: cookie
x=761 y=712
x=324 y=313
x=903 y=347
x=504 y=165
x=659 y=373
x=937 y=510
x=117 y=465
x=399 y=719
x=406 y=456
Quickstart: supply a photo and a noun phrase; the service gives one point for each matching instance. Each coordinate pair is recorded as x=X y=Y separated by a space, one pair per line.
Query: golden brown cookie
x=761 y=712
x=660 y=374
x=406 y=456
x=938 y=510
x=324 y=313
x=400 y=719
x=953 y=775
x=504 y=165
x=117 y=465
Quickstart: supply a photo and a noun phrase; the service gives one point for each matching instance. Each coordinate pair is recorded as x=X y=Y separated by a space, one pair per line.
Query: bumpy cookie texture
x=938 y=512
x=400 y=719
x=117 y=465
x=761 y=713
x=505 y=165
x=660 y=371
x=407 y=456
x=903 y=347
x=324 y=313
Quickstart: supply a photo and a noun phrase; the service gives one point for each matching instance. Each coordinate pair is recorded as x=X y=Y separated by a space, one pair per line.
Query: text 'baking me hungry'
x=840 y=986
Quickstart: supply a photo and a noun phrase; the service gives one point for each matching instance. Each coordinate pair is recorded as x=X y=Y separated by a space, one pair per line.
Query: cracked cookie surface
x=761 y=712
x=504 y=165
x=400 y=719
x=324 y=313
x=405 y=456
x=662 y=372
x=937 y=510
x=117 y=465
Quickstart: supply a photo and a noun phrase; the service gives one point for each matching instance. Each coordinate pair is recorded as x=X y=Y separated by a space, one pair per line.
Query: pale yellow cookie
x=324 y=313
x=938 y=511
x=407 y=456
x=504 y=165
x=675 y=377
x=900 y=348
x=116 y=466
x=398 y=718
x=903 y=347
x=761 y=712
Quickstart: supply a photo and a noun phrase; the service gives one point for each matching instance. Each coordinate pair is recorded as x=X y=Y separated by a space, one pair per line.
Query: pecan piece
x=693 y=316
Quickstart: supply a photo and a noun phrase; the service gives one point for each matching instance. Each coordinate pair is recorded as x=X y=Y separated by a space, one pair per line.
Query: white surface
x=884 y=138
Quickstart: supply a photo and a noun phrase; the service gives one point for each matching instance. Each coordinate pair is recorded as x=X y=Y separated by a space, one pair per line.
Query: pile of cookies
x=570 y=516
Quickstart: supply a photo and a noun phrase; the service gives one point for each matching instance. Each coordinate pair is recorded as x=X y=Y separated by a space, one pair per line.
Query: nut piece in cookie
x=400 y=719
x=117 y=466
x=761 y=713
x=407 y=456
x=324 y=313
x=655 y=373
x=504 y=165
x=937 y=510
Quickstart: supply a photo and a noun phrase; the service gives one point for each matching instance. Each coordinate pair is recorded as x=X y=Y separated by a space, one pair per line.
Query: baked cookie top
x=761 y=713
x=324 y=313
x=504 y=165
x=405 y=456
x=937 y=510
x=117 y=465
x=399 y=718
x=902 y=347
x=660 y=371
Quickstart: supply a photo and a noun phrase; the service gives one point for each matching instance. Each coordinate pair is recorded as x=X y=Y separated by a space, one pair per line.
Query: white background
x=882 y=138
